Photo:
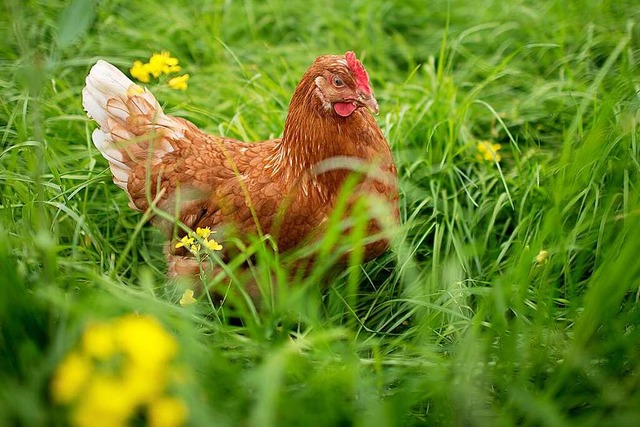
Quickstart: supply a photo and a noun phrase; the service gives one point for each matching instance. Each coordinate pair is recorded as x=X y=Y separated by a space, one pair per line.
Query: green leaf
x=74 y=21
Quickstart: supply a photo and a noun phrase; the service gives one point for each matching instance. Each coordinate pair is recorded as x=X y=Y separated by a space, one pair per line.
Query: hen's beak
x=368 y=101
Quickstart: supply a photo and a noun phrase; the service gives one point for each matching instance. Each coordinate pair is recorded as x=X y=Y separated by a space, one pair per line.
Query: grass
x=456 y=325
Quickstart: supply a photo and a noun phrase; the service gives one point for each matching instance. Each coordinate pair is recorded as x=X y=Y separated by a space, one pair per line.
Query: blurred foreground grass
x=510 y=295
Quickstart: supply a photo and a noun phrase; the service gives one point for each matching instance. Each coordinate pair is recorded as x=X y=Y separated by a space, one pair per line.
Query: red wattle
x=344 y=109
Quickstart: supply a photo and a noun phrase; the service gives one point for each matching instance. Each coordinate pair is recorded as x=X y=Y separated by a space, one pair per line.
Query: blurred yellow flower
x=140 y=71
x=179 y=83
x=104 y=404
x=212 y=245
x=186 y=241
x=488 y=151
x=203 y=233
x=144 y=340
x=542 y=257
x=167 y=412
x=187 y=298
x=70 y=377
x=136 y=382
x=120 y=368
x=97 y=341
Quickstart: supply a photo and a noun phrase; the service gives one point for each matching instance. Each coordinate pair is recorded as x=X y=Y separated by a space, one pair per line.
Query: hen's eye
x=337 y=81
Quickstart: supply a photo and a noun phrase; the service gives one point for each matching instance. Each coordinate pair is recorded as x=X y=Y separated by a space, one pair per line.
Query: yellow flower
x=140 y=71
x=542 y=257
x=104 y=404
x=136 y=382
x=121 y=370
x=167 y=412
x=203 y=233
x=212 y=245
x=98 y=341
x=195 y=248
x=70 y=377
x=159 y=63
x=488 y=151
x=163 y=63
x=187 y=298
x=179 y=83
x=186 y=241
x=144 y=340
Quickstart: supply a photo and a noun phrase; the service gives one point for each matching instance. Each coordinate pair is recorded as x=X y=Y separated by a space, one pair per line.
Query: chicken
x=286 y=187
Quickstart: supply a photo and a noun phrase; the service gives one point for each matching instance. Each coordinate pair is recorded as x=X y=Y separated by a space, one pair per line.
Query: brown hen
x=285 y=187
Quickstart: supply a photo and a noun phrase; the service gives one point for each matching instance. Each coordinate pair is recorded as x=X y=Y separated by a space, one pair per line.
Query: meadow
x=510 y=295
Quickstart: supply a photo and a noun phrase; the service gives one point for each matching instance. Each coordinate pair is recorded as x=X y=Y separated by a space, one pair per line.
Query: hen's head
x=342 y=84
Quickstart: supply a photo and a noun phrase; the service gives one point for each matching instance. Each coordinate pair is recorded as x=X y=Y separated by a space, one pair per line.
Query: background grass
x=457 y=324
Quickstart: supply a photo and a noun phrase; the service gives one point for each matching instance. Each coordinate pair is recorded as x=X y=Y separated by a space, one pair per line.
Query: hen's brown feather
x=284 y=187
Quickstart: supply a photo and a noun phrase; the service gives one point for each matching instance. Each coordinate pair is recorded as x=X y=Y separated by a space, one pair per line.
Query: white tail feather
x=103 y=83
x=105 y=99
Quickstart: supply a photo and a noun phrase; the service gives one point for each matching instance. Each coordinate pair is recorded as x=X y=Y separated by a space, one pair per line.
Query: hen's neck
x=313 y=135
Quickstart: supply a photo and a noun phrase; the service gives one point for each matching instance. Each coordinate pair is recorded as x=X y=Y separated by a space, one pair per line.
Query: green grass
x=457 y=324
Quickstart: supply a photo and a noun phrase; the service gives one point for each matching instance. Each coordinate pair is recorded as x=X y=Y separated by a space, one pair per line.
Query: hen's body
x=283 y=187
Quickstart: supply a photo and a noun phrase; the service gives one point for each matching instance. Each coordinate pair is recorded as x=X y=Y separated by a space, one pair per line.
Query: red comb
x=362 y=78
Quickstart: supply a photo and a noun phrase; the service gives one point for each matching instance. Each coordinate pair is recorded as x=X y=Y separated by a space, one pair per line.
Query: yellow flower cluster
x=121 y=369
x=159 y=64
x=189 y=241
x=488 y=151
